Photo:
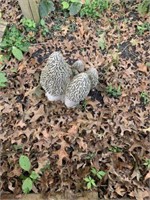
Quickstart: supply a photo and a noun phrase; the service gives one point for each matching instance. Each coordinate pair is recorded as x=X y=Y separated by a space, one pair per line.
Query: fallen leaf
x=119 y=190
x=136 y=173
x=146 y=129
x=142 y=67
x=147 y=176
x=22 y=66
x=38 y=113
x=64 y=29
x=62 y=152
x=21 y=123
x=134 y=42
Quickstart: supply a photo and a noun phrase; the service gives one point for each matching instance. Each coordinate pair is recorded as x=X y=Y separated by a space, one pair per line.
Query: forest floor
x=106 y=133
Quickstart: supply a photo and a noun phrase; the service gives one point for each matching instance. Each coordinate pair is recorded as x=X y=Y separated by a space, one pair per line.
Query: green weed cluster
x=89 y=8
x=113 y=92
x=144 y=97
x=94 y=176
x=94 y=8
x=14 y=43
x=144 y=7
x=143 y=27
x=27 y=181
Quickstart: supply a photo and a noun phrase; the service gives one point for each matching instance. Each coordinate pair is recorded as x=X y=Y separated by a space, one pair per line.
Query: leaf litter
x=75 y=140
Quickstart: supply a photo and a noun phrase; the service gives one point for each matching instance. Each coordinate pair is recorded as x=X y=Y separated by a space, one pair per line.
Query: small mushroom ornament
x=80 y=86
x=55 y=76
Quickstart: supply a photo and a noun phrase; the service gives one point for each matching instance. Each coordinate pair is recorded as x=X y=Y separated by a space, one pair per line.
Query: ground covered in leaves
x=109 y=134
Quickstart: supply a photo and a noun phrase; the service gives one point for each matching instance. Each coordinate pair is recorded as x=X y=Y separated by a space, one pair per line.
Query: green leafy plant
x=45 y=7
x=113 y=92
x=95 y=176
x=73 y=6
x=147 y=163
x=115 y=149
x=3 y=79
x=94 y=8
x=2 y=61
x=90 y=156
x=72 y=27
x=98 y=174
x=84 y=104
x=29 y=24
x=57 y=24
x=143 y=27
x=144 y=97
x=18 y=147
x=14 y=43
x=90 y=182
x=144 y=7
x=44 y=27
x=27 y=183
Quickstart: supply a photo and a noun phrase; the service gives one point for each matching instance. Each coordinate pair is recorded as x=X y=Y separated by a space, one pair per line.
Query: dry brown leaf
x=119 y=190
x=45 y=133
x=146 y=129
x=22 y=66
x=21 y=123
x=142 y=67
x=82 y=144
x=136 y=174
x=141 y=195
x=147 y=176
x=73 y=130
x=38 y=113
x=64 y=30
x=7 y=108
x=61 y=152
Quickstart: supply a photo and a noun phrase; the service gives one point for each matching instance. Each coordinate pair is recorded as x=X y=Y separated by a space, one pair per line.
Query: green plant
x=14 y=43
x=143 y=27
x=84 y=104
x=144 y=7
x=2 y=61
x=72 y=27
x=113 y=92
x=98 y=174
x=95 y=176
x=44 y=27
x=94 y=8
x=115 y=149
x=73 y=6
x=27 y=182
x=45 y=7
x=18 y=147
x=3 y=79
x=90 y=156
x=29 y=24
x=144 y=97
x=90 y=182
x=147 y=163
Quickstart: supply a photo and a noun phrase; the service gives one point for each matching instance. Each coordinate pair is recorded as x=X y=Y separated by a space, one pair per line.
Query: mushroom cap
x=78 y=89
x=93 y=76
x=55 y=56
x=78 y=65
x=55 y=75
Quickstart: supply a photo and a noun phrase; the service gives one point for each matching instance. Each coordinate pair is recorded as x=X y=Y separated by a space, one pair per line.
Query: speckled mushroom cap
x=77 y=90
x=55 y=75
x=93 y=76
x=79 y=66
